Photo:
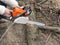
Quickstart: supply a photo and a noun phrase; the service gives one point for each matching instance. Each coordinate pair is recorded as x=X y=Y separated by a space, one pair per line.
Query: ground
x=20 y=35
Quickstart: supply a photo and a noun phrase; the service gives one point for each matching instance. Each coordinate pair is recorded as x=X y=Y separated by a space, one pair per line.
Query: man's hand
x=7 y=12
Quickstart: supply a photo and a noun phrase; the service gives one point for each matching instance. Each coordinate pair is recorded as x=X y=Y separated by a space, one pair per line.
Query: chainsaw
x=20 y=15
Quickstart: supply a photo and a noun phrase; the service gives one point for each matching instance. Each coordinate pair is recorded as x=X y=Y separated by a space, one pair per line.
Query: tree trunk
x=32 y=33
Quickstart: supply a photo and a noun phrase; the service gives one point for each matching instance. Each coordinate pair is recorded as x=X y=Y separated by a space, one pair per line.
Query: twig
x=48 y=38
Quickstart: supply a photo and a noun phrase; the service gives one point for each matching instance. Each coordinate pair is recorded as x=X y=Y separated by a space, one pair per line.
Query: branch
x=56 y=29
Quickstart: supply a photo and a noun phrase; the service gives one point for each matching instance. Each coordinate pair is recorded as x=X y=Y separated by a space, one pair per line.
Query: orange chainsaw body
x=18 y=11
